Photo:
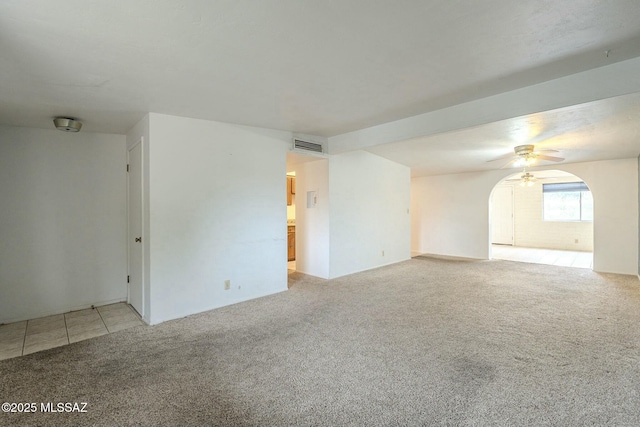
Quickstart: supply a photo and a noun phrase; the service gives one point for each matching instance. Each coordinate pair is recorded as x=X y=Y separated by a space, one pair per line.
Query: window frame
x=567 y=187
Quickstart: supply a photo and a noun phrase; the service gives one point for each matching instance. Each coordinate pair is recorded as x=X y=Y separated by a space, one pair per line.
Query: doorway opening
x=546 y=221
x=307 y=215
x=291 y=221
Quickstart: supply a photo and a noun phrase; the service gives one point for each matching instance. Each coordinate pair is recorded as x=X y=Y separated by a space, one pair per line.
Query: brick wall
x=531 y=231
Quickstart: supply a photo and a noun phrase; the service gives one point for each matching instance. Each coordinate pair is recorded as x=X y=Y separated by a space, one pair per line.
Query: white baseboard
x=53 y=312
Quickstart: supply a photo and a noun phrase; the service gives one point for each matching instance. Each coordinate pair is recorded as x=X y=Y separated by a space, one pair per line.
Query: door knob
x=138 y=239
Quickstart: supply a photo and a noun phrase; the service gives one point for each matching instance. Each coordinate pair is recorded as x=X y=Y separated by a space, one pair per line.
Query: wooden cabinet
x=291 y=189
x=291 y=229
x=291 y=243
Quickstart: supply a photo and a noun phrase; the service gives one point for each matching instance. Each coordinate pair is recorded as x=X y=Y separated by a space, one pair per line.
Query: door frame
x=493 y=211
x=130 y=237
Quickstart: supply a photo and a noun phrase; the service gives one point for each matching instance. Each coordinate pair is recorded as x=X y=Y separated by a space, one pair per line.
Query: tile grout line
x=24 y=338
x=133 y=311
x=66 y=328
x=103 y=322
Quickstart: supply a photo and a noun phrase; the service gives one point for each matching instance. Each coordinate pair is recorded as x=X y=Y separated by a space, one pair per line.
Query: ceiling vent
x=299 y=144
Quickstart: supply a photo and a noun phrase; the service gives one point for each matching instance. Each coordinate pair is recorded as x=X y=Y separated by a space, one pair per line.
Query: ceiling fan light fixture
x=67 y=124
x=525 y=160
x=527 y=180
x=525 y=156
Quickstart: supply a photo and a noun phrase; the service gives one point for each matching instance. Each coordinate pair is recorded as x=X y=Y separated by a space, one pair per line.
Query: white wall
x=62 y=221
x=369 y=212
x=451 y=212
x=530 y=230
x=614 y=185
x=217 y=212
x=312 y=224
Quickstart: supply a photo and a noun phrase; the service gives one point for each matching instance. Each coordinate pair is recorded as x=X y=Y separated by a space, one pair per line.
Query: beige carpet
x=423 y=342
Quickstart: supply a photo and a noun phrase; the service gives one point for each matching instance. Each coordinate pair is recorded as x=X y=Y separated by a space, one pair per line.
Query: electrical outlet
x=227 y=285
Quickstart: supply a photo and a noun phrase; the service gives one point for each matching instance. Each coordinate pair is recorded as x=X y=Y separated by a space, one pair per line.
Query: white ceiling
x=599 y=130
x=319 y=67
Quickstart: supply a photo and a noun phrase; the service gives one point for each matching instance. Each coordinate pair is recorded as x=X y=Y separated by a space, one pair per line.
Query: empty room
x=298 y=212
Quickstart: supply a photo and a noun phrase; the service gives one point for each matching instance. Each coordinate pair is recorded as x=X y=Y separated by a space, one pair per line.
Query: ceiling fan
x=526 y=155
x=525 y=180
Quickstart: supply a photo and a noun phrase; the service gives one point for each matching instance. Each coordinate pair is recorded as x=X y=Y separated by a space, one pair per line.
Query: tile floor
x=30 y=336
x=543 y=256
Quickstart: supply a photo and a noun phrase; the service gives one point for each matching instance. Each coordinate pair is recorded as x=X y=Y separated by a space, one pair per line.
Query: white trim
x=46 y=313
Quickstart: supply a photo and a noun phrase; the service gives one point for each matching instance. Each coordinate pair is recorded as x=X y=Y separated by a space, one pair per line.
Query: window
x=567 y=201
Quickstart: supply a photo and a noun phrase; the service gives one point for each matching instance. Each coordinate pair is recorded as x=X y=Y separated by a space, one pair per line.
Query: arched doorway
x=546 y=221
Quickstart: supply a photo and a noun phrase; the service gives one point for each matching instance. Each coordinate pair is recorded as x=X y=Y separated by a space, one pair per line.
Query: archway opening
x=548 y=220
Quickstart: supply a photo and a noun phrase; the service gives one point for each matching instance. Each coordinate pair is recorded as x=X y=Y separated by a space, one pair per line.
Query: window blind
x=563 y=187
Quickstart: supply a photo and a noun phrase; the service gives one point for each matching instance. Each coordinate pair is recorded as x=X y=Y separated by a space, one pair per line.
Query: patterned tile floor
x=30 y=336
x=543 y=256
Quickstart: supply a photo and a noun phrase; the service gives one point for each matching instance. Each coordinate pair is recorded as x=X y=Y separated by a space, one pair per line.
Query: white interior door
x=136 y=248
x=502 y=215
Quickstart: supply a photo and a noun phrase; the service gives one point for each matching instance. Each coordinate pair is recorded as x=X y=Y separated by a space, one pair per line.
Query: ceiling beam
x=612 y=80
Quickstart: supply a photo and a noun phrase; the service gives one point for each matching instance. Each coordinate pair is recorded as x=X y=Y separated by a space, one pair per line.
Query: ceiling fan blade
x=506 y=156
x=509 y=163
x=546 y=150
x=550 y=158
x=544 y=178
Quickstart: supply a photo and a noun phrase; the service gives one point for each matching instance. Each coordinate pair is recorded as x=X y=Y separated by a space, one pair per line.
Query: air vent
x=306 y=145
